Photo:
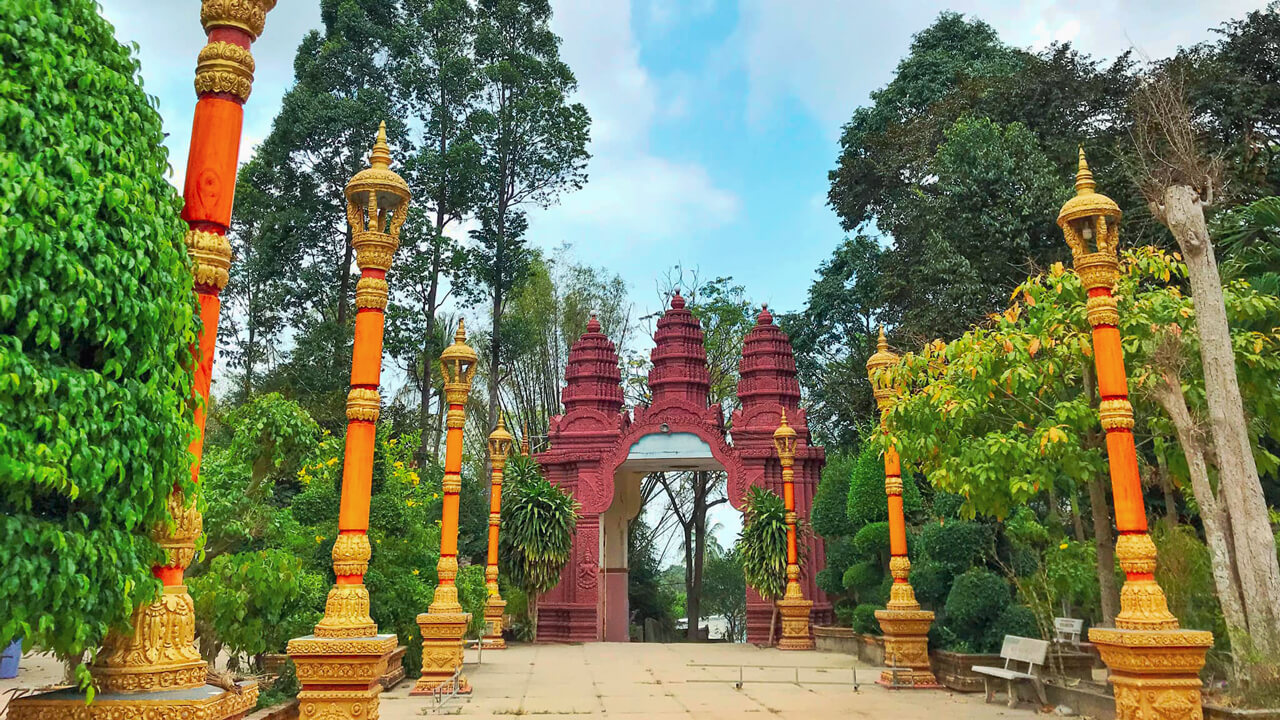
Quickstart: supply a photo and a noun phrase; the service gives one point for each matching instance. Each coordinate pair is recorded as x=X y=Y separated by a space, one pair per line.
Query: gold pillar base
x=160 y=654
x=443 y=636
x=795 y=624
x=340 y=676
x=1155 y=674
x=906 y=648
x=205 y=702
x=494 y=608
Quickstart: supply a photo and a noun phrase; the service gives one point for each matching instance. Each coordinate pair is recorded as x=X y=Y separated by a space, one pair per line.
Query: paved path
x=661 y=682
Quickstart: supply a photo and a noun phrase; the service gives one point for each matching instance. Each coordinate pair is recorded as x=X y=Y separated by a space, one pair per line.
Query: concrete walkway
x=660 y=682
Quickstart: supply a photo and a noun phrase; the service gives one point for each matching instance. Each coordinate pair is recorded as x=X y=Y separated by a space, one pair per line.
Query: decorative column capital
x=249 y=16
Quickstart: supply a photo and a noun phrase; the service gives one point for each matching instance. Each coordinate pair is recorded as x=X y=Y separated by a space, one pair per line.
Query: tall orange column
x=1154 y=664
x=793 y=607
x=500 y=443
x=160 y=654
x=904 y=624
x=340 y=665
x=444 y=625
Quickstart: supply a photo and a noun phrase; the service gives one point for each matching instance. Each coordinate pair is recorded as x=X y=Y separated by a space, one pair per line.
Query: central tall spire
x=679 y=357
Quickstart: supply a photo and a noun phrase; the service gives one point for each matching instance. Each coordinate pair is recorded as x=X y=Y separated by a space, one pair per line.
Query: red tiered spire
x=592 y=378
x=679 y=357
x=768 y=369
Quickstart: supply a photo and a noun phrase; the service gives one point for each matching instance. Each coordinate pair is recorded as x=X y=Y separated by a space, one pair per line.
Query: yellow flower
x=398 y=465
x=415 y=571
x=319 y=539
x=1063 y=546
x=332 y=461
x=392 y=442
x=410 y=503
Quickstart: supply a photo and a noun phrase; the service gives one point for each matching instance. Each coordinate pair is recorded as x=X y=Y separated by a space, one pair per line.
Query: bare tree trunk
x=694 y=601
x=1077 y=521
x=1166 y=489
x=1109 y=594
x=344 y=290
x=1254 y=545
x=1213 y=515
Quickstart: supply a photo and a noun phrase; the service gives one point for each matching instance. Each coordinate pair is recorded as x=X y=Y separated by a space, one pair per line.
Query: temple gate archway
x=600 y=451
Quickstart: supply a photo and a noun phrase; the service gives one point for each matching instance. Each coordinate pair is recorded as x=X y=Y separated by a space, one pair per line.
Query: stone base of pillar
x=206 y=702
x=1155 y=674
x=340 y=677
x=796 y=631
x=443 y=636
x=494 y=608
x=906 y=648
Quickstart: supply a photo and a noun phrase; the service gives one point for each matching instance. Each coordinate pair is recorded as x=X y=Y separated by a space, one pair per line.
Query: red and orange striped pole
x=1154 y=664
x=500 y=444
x=905 y=625
x=444 y=625
x=223 y=82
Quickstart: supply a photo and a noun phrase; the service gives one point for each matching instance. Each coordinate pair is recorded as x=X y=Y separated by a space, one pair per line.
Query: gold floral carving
x=346 y=613
x=217 y=707
x=351 y=554
x=224 y=67
x=795 y=624
x=160 y=653
x=1102 y=310
x=374 y=250
x=363 y=404
x=1117 y=414
x=892 y=486
x=906 y=644
x=247 y=15
x=359 y=704
x=177 y=536
x=1098 y=270
x=442 y=642
x=210 y=255
x=494 y=608
x=369 y=645
x=371 y=292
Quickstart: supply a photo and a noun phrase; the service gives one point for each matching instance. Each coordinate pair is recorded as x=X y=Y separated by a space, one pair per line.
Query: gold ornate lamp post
x=500 y=443
x=444 y=625
x=340 y=665
x=793 y=607
x=905 y=625
x=1154 y=664
x=139 y=673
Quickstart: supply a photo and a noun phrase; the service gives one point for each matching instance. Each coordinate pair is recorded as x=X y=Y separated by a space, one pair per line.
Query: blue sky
x=715 y=121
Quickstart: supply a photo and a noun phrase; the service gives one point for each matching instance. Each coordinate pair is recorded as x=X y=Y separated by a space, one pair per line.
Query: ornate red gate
x=593 y=455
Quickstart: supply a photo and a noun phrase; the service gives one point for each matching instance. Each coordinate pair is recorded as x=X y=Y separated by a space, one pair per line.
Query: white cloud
x=633 y=195
x=828 y=56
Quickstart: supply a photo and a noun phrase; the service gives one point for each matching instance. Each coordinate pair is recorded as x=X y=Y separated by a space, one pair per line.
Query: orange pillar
x=341 y=664
x=500 y=442
x=224 y=79
x=904 y=624
x=444 y=625
x=793 y=607
x=1154 y=664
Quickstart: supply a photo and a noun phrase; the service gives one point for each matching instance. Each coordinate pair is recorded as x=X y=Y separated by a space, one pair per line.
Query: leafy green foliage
x=1013 y=620
x=254 y=602
x=763 y=542
x=863 y=620
x=538 y=521
x=862 y=576
x=977 y=599
x=96 y=322
x=724 y=591
x=867 y=502
x=646 y=597
x=828 y=514
x=957 y=545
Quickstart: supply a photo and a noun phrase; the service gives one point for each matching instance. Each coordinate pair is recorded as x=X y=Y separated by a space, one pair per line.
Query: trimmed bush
x=867 y=501
x=872 y=542
x=862 y=576
x=830 y=501
x=932 y=582
x=958 y=545
x=1013 y=620
x=976 y=600
x=829 y=581
x=96 y=321
x=864 y=620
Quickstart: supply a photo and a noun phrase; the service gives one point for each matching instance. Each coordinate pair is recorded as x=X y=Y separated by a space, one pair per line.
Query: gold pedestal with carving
x=340 y=676
x=444 y=630
x=494 y=609
x=795 y=624
x=906 y=633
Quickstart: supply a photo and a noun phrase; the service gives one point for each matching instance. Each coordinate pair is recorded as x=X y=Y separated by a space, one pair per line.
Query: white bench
x=1067 y=630
x=1015 y=651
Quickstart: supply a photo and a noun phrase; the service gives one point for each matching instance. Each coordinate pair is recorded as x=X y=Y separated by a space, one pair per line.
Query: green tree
x=533 y=148
x=763 y=546
x=96 y=324
x=724 y=591
x=538 y=521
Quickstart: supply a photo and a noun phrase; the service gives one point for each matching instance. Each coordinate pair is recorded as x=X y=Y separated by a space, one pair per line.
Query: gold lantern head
x=458 y=367
x=1090 y=223
x=784 y=440
x=377 y=205
x=881 y=383
x=500 y=443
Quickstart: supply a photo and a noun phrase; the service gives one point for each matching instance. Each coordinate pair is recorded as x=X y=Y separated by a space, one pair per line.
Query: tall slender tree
x=534 y=146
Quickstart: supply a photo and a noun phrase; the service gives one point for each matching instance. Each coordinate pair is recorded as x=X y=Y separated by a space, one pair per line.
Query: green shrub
x=977 y=598
x=932 y=582
x=96 y=323
x=872 y=543
x=862 y=576
x=864 y=620
x=840 y=554
x=764 y=543
x=1013 y=620
x=830 y=501
x=867 y=502
x=472 y=595
x=317 y=505
x=844 y=614
x=829 y=581
x=958 y=544
x=1071 y=572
